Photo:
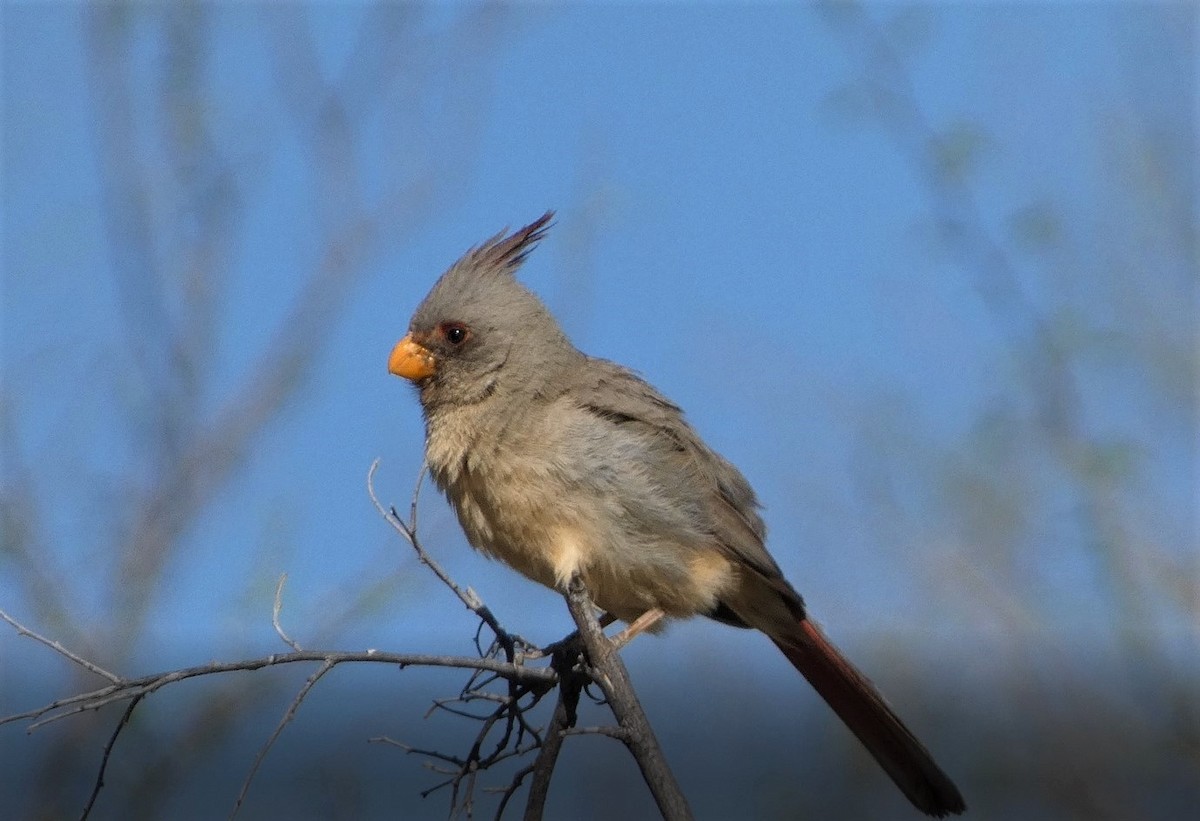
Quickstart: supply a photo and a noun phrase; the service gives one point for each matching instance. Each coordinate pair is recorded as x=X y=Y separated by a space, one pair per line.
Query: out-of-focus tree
x=388 y=142
x=1044 y=528
x=1043 y=521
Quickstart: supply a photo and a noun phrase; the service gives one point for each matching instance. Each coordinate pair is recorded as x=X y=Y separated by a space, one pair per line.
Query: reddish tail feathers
x=862 y=708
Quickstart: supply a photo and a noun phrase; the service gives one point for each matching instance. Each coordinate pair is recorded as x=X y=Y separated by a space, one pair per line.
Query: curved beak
x=411 y=360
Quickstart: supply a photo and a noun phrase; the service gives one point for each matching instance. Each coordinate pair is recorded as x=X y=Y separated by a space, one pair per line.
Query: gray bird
x=558 y=463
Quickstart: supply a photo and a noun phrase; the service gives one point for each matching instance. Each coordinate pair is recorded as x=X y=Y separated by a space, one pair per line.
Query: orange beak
x=411 y=360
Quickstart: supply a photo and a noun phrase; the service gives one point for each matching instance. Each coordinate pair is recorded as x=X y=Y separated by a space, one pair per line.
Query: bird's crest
x=505 y=252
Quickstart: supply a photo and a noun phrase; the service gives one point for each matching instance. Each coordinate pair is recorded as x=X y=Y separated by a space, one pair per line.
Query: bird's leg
x=605 y=620
x=639 y=625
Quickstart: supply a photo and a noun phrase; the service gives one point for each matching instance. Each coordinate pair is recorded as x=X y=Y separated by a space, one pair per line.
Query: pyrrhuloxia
x=558 y=463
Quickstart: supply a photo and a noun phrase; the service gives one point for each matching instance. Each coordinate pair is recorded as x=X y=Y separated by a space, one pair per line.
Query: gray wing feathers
x=703 y=481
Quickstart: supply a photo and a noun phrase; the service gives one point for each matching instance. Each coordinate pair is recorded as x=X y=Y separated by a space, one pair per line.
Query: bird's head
x=479 y=331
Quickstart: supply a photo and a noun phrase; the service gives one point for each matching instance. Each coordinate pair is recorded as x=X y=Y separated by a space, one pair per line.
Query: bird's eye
x=454 y=334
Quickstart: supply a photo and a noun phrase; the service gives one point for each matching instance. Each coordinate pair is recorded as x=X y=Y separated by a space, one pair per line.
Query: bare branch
x=288 y=715
x=504 y=728
x=613 y=679
x=513 y=785
x=132 y=688
x=510 y=712
x=543 y=767
x=107 y=753
x=58 y=648
x=466 y=595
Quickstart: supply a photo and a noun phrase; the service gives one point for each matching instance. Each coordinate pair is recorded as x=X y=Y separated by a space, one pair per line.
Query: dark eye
x=455 y=334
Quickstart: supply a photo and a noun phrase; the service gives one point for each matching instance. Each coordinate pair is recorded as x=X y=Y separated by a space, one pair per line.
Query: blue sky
x=729 y=223
x=759 y=254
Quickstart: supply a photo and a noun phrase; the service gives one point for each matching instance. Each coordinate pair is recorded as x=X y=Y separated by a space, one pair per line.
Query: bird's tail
x=856 y=701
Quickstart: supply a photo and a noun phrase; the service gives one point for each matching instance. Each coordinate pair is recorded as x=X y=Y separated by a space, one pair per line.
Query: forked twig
x=409 y=531
x=513 y=644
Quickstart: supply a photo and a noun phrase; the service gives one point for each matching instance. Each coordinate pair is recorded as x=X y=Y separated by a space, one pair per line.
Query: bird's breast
x=509 y=511
x=505 y=492
x=530 y=503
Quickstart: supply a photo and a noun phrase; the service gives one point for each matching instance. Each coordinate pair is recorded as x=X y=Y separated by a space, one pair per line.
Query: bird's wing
x=710 y=484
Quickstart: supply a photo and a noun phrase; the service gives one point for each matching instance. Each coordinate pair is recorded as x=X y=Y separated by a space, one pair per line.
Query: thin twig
x=107 y=753
x=466 y=595
x=416 y=496
x=58 y=648
x=508 y=792
x=288 y=715
x=444 y=706
x=278 y=606
x=384 y=739
x=619 y=733
x=130 y=688
x=517 y=739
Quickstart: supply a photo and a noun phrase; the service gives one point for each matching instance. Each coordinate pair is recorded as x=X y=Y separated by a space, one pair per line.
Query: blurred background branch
x=1041 y=473
x=178 y=183
x=927 y=273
